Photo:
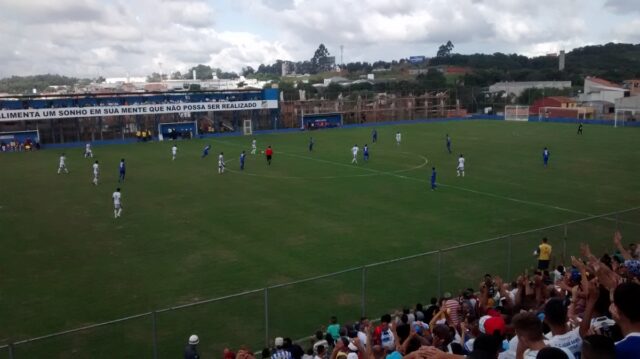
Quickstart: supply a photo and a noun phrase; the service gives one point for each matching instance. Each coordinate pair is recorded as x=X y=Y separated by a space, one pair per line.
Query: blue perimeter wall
x=374 y=124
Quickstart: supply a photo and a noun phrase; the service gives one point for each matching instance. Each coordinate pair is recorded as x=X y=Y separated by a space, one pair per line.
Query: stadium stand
x=586 y=308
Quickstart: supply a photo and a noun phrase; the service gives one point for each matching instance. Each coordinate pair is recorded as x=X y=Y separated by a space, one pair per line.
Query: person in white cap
x=191 y=351
x=279 y=352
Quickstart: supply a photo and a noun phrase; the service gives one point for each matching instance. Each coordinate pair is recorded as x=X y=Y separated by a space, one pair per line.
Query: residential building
x=518 y=87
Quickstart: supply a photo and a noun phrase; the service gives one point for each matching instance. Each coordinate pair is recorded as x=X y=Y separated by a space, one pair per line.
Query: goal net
x=579 y=113
x=177 y=130
x=516 y=113
x=623 y=115
x=247 y=127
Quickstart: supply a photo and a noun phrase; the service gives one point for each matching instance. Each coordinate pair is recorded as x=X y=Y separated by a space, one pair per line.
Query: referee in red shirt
x=269 y=153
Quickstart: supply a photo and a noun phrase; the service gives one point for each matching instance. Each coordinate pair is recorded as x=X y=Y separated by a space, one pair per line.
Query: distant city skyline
x=88 y=38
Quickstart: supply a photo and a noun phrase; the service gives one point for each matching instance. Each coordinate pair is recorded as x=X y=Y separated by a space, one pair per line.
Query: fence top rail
x=81 y=328
x=363 y=267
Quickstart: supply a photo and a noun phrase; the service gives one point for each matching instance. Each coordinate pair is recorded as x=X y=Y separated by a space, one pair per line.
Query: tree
x=156 y=77
x=445 y=50
x=100 y=80
x=319 y=58
x=246 y=71
x=176 y=75
x=203 y=72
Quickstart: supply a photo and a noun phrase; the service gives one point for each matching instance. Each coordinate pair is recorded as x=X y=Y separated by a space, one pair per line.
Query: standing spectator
x=383 y=335
x=191 y=350
x=626 y=312
x=452 y=307
x=320 y=352
x=279 y=352
x=530 y=337
x=363 y=329
x=555 y=315
x=431 y=310
x=544 y=254
x=403 y=328
x=320 y=341
x=295 y=350
x=334 y=329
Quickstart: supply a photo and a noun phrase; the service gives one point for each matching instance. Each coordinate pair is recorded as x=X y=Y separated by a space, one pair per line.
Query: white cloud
x=90 y=37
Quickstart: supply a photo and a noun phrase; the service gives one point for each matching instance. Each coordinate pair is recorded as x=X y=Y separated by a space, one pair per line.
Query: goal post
x=622 y=115
x=516 y=113
x=247 y=127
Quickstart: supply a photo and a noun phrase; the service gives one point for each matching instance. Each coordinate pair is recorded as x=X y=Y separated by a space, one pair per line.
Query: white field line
x=394 y=174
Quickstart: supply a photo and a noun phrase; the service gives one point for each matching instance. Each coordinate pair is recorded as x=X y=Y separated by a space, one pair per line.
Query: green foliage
x=445 y=49
x=25 y=84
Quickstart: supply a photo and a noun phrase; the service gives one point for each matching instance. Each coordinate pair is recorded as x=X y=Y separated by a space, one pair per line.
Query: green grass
x=189 y=234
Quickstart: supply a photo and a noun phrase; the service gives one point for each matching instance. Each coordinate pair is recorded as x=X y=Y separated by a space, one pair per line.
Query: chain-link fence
x=298 y=309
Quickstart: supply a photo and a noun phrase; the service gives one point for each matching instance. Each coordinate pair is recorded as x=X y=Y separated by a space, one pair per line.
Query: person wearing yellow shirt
x=544 y=254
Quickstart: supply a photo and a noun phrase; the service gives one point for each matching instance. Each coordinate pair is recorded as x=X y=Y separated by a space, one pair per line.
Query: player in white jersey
x=221 y=163
x=354 y=152
x=398 y=138
x=117 y=204
x=254 y=147
x=63 y=164
x=460 y=166
x=174 y=152
x=87 y=151
x=96 y=173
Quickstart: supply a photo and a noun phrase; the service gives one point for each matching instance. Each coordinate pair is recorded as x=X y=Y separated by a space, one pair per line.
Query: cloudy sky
x=137 y=37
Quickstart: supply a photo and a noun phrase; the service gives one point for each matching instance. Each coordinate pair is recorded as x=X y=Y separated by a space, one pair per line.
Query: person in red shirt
x=269 y=153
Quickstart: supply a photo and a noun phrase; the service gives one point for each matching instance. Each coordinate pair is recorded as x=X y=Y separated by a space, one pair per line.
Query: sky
x=116 y=38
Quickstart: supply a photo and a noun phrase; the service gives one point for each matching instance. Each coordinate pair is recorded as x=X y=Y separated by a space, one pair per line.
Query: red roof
x=561 y=99
x=457 y=70
x=603 y=82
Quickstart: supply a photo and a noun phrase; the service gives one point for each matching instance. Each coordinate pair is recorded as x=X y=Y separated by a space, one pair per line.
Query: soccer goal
x=516 y=113
x=247 y=127
x=622 y=115
x=175 y=130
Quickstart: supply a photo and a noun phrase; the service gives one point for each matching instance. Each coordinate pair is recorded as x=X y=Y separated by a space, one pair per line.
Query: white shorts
x=460 y=168
x=117 y=206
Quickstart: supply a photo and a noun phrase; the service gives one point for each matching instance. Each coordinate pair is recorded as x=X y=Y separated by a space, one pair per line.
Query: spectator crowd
x=586 y=309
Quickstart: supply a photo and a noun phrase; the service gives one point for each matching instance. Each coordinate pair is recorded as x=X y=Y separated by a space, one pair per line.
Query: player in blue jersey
x=365 y=153
x=311 y=142
x=205 y=151
x=374 y=136
x=242 y=156
x=433 y=178
x=545 y=156
x=448 y=143
x=122 y=168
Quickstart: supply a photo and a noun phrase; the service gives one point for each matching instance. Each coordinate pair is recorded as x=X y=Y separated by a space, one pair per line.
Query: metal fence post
x=363 y=297
x=154 y=332
x=11 y=356
x=439 y=273
x=266 y=317
x=509 y=257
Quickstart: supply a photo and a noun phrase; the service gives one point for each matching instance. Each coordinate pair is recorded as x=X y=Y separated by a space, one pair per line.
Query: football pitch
x=187 y=233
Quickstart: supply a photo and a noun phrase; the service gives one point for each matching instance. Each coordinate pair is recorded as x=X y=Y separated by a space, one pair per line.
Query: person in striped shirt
x=452 y=307
x=279 y=352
